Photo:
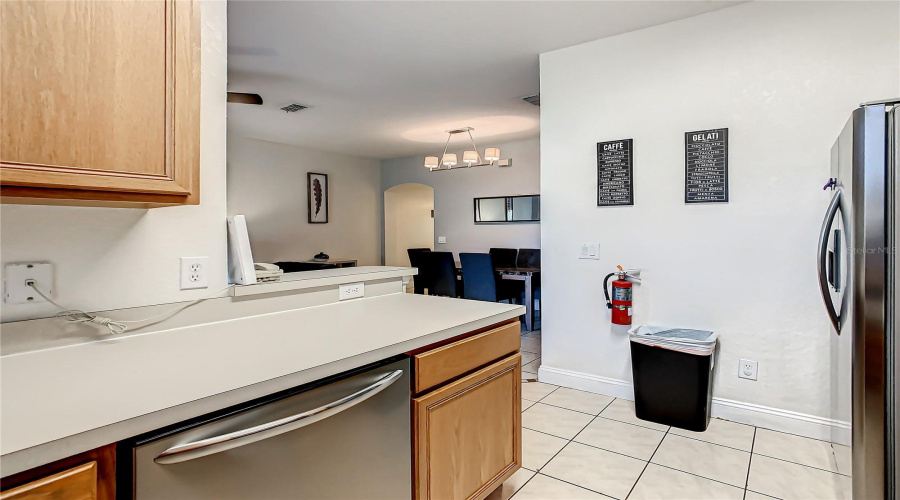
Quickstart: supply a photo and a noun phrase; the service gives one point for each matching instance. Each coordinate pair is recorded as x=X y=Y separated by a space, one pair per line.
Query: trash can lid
x=680 y=339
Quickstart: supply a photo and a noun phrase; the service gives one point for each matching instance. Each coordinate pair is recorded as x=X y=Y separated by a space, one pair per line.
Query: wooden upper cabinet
x=100 y=102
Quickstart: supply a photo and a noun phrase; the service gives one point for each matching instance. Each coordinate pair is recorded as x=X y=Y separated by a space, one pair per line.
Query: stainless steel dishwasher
x=343 y=438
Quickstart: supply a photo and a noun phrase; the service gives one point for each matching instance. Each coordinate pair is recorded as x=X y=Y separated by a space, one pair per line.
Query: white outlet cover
x=589 y=251
x=17 y=292
x=748 y=369
x=442 y=239
x=351 y=291
x=194 y=272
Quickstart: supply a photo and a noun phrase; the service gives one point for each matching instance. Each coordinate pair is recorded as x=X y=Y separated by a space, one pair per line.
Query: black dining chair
x=416 y=260
x=529 y=257
x=480 y=281
x=440 y=273
x=503 y=257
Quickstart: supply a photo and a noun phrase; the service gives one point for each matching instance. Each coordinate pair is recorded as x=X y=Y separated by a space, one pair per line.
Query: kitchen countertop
x=61 y=401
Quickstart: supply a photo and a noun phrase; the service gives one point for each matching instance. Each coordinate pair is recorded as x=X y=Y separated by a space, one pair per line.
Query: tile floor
x=580 y=445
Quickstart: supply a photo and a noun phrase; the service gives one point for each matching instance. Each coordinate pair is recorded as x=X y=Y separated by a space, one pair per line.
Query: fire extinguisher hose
x=606 y=289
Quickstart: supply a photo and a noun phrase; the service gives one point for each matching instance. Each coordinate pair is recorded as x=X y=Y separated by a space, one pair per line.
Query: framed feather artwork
x=317 y=191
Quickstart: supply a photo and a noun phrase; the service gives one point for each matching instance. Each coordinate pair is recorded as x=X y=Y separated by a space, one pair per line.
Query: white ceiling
x=386 y=79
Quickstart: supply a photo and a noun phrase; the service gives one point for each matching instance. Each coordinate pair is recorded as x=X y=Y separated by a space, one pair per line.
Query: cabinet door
x=77 y=483
x=468 y=434
x=100 y=100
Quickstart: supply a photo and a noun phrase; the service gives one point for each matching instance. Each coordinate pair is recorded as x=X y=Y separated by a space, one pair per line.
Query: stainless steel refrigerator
x=858 y=278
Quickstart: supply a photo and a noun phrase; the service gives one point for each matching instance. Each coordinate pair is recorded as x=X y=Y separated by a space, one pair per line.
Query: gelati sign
x=706 y=166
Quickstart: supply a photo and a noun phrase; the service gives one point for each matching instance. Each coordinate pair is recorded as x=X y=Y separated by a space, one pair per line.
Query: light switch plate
x=351 y=291
x=589 y=251
x=17 y=292
x=442 y=239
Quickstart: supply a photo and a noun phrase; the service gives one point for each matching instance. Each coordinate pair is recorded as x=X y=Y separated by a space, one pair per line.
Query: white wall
x=267 y=183
x=783 y=77
x=109 y=258
x=454 y=191
x=407 y=221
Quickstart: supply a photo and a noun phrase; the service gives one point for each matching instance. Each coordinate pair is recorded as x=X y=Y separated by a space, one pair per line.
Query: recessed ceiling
x=386 y=79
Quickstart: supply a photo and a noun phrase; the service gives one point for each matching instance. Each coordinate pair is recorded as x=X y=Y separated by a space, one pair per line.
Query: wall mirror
x=525 y=208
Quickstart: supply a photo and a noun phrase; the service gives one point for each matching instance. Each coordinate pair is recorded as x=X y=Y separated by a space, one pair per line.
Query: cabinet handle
x=216 y=444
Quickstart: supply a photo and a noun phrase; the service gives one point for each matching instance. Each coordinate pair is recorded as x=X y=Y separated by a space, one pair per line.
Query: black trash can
x=673 y=375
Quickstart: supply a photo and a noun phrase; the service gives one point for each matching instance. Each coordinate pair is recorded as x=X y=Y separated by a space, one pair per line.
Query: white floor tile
x=538 y=448
x=535 y=391
x=586 y=402
x=546 y=488
x=722 y=432
x=801 y=450
x=703 y=459
x=529 y=375
x=843 y=459
x=661 y=483
x=599 y=470
x=511 y=485
x=532 y=366
x=528 y=357
x=623 y=411
x=531 y=344
x=556 y=421
x=752 y=495
x=790 y=481
x=527 y=404
x=632 y=440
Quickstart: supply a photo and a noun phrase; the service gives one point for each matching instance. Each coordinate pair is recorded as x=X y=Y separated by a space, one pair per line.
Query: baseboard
x=776 y=419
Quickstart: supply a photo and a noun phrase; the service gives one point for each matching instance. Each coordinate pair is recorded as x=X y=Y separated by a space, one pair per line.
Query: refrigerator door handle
x=832 y=212
x=216 y=444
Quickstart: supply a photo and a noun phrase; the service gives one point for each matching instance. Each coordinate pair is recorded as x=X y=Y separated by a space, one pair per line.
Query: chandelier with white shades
x=471 y=158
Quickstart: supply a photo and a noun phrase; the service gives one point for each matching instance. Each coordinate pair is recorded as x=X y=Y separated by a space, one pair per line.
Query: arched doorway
x=408 y=221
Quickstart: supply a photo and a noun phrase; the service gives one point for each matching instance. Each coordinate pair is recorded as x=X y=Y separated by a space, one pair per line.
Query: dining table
x=527 y=275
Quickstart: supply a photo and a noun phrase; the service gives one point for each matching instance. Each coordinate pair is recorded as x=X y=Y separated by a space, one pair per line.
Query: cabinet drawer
x=468 y=434
x=447 y=362
x=77 y=483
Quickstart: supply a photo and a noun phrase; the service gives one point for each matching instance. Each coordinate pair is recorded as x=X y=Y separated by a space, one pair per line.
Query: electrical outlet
x=194 y=272
x=748 y=369
x=442 y=240
x=351 y=291
x=18 y=275
x=589 y=251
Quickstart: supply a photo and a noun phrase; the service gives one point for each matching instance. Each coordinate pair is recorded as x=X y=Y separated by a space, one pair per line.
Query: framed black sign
x=615 y=184
x=706 y=166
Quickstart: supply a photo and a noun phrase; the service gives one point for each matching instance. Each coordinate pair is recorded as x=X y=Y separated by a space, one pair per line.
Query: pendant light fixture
x=470 y=158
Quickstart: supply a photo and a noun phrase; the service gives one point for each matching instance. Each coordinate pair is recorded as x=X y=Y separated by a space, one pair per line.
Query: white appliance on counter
x=345 y=437
x=857 y=264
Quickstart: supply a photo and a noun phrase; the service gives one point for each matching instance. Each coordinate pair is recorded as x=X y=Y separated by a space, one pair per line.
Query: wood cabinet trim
x=442 y=364
x=449 y=393
x=104 y=458
x=60 y=483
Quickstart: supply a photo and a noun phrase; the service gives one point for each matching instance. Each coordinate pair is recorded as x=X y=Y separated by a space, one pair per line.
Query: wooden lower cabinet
x=77 y=483
x=87 y=476
x=467 y=435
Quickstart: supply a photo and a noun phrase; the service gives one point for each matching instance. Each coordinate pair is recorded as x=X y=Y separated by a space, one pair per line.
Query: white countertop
x=58 y=400
x=324 y=277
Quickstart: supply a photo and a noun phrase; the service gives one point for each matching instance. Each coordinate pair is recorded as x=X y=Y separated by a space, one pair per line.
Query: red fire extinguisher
x=621 y=297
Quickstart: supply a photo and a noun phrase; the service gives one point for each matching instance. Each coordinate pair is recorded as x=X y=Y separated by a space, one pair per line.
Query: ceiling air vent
x=533 y=99
x=293 y=108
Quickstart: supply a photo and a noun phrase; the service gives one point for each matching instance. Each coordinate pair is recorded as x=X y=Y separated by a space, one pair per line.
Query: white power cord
x=114 y=326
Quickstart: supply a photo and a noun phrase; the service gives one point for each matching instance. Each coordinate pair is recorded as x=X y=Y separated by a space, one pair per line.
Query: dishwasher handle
x=216 y=444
